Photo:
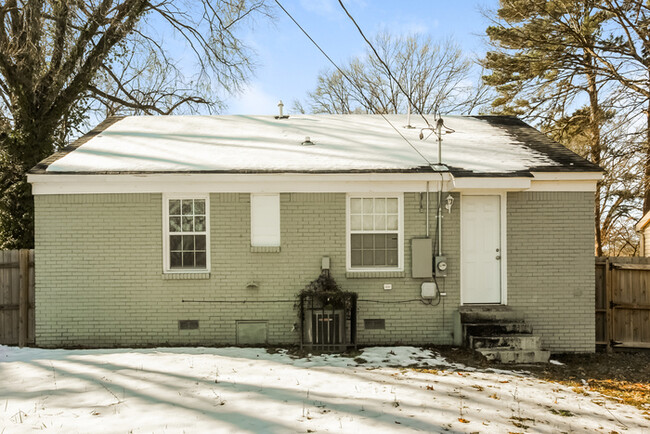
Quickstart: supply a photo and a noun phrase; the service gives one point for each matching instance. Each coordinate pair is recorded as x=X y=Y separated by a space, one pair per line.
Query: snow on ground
x=167 y=390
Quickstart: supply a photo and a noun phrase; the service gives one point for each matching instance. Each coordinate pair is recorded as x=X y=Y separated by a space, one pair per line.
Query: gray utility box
x=422 y=258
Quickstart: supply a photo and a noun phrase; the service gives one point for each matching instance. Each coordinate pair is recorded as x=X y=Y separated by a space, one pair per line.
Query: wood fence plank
x=23 y=312
x=5 y=299
x=609 y=326
x=15 y=295
x=31 y=336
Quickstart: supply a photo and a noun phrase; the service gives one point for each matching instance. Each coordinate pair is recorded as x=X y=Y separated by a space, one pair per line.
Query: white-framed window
x=265 y=220
x=375 y=240
x=186 y=233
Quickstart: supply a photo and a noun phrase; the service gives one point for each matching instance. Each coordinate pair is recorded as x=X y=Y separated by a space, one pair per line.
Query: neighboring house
x=201 y=230
x=643 y=228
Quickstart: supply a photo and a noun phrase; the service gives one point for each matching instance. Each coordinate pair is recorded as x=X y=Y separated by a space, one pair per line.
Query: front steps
x=501 y=335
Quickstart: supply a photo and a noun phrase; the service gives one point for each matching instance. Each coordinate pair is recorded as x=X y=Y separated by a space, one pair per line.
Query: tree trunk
x=646 y=162
x=595 y=151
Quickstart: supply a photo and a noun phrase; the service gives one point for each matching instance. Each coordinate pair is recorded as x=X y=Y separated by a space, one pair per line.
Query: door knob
x=498 y=257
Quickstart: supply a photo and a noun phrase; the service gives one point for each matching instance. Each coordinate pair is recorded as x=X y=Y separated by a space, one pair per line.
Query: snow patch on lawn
x=255 y=390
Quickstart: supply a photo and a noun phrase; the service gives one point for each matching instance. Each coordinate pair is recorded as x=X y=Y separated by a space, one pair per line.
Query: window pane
x=380 y=205
x=391 y=205
x=368 y=223
x=380 y=257
x=355 y=206
x=175 y=242
x=175 y=260
x=199 y=241
x=391 y=223
x=174 y=207
x=368 y=241
x=380 y=241
x=368 y=257
x=200 y=259
x=188 y=224
x=355 y=222
x=355 y=241
x=355 y=258
x=188 y=259
x=188 y=242
x=199 y=206
x=187 y=207
x=174 y=224
x=391 y=258
x=391 y=241
x=199 y=224
x=380 y=222
x=367 y=206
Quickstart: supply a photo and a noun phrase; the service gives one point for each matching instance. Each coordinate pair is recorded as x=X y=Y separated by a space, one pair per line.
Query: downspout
x=439 y=128
x=427 y=209
x=440 y=219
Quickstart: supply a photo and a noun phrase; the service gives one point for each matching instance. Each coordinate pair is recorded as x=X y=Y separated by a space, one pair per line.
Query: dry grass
x=621 y=376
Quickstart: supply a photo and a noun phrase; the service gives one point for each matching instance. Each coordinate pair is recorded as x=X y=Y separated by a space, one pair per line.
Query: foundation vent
x=188 y=324
x=374 y=324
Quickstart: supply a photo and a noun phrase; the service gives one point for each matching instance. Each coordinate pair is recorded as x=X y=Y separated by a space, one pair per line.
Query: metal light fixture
x=450 y=203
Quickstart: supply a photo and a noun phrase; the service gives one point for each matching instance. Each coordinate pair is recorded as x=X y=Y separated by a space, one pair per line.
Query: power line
x=355 y=85
x=390 y=74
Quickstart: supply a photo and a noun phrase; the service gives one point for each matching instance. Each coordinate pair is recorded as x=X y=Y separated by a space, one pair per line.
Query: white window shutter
x=265 y=220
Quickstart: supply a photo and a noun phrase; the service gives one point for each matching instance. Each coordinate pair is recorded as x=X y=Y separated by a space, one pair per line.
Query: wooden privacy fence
x=623 y=302
x=16 y=297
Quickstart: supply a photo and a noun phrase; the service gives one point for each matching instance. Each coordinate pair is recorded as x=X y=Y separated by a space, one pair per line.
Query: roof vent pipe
x=408 y=117
x=281 y=115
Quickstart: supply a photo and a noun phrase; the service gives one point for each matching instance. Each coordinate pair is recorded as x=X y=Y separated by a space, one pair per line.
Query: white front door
x=481 y=249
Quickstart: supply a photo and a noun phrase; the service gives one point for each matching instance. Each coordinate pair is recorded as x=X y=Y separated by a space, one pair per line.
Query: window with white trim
x=186 y=234
x=374 y=232
x=265 y=220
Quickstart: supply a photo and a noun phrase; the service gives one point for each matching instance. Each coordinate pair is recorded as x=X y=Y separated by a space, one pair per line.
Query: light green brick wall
x=99 y=279
x=99 y=273
x=551 y=266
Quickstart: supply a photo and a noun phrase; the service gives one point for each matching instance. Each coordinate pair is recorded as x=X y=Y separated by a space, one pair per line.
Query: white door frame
x=503 y=196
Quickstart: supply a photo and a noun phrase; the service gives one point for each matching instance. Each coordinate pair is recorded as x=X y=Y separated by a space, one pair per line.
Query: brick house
x=201 y=230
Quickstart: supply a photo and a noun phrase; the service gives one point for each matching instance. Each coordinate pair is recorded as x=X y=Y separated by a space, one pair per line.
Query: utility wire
x=355 y=85
x=390 y=74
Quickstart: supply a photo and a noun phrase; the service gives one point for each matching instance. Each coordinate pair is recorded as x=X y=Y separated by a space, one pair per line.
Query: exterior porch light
x=450 y=203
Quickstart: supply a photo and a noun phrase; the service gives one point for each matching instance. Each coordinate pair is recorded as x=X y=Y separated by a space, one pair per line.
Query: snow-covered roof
x=342 y=143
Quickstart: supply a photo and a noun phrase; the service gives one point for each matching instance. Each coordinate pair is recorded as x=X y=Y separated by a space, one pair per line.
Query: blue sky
x=288 y=63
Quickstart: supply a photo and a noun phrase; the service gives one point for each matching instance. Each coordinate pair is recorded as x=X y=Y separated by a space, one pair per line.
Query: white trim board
x=43 y=184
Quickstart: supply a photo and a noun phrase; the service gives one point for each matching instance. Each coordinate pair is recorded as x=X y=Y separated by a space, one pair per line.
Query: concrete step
x=515 y=356
x=496 y=329
x=490 y=316
x=525 y=342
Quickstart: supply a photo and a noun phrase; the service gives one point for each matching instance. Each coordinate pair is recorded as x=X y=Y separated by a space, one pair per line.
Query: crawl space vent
x=374 y=324
x=188 y=324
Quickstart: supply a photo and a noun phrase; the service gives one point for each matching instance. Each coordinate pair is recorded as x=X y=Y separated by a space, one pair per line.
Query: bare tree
x=436 y=76
x=60 y=59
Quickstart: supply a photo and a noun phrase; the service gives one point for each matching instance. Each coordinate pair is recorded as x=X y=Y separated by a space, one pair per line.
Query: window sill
x=185 y=276
x=265 y=249
x=373 y=274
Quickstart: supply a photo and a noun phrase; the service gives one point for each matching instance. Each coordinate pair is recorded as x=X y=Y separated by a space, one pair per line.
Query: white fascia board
x=579 y=182
x=492 y=184
x=577 y=185
x=568 y=176
x=43 y=184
